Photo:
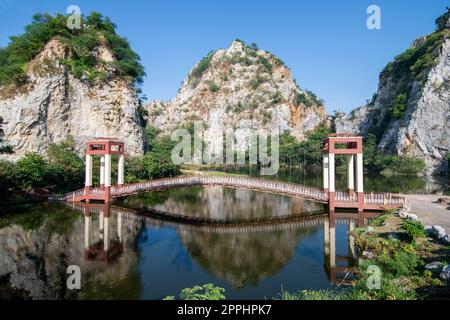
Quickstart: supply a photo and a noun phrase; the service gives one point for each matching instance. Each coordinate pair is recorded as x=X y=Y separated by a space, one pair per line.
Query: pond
x=258 y=244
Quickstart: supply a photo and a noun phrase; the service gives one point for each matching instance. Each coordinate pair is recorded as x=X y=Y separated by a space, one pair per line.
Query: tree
x=441 y=21
x=65 y=167
x=30 y=171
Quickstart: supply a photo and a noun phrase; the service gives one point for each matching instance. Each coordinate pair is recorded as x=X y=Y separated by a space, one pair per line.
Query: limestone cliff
x=410 y=113
x=54 y=105
x=239 y=87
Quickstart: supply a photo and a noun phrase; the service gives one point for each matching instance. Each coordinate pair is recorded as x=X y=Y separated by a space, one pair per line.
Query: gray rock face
x=241 y=89
x=438 y=232
x=445 y=274
x=424 y=129
x=55 y=105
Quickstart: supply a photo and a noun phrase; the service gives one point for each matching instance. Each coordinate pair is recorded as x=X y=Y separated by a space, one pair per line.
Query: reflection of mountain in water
x=38 y=245
x=218 y=203
x=243 y=258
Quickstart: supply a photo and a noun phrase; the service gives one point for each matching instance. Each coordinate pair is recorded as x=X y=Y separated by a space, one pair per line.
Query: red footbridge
x=346 y=145
x=372 y=201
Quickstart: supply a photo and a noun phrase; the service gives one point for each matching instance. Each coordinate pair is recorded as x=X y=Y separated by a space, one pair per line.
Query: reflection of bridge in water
x=340 y=269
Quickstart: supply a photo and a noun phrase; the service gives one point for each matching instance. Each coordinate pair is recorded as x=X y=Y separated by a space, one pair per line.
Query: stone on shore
x=435 y=266
x=445 y=274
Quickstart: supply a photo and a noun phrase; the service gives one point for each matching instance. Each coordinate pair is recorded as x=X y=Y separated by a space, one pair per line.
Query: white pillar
x=325 y=171
x=359 y=173
x=350 y=170
x=106 y=234
x=102 y=170
x=331 y=172
x=120 y=174
x=107 y=170
x=87 y=227
x=88 y=175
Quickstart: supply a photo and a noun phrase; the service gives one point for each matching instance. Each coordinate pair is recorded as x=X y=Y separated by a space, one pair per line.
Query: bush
x=414 y=229
x=202 y=66
x=205 y=292
x=399 y=106
x=65 y=169
x=441 y=21
x=214 y=87
x=401 y=263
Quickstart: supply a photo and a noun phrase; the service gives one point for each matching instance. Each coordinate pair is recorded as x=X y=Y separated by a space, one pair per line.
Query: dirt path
x=430 y=212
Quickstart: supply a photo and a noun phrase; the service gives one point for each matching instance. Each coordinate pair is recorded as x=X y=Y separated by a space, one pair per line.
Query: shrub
x=414 y=229
x=266 y=63
x=214 y=87
x=204 y=292
x=202 y=66
x=30 y=171
x=401 y=263
x=441 y=21
x=399 y=106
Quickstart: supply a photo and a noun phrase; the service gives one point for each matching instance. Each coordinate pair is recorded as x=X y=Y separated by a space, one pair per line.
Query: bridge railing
x=345 y=196
x=383 y=198
x=252 y=183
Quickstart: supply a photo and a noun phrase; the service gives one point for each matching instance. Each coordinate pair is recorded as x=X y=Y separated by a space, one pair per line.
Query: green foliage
x=414 y=229
x=266 y=63
x=441 y=21
x=30 y=171
x=312 y=146
x=254 y=46
x=62 y=171
x=376 y=162
x=379 y=221
x=399 y=106
x=201 y=67
x=416 y=62
x=65 y=168
x=399 y=264
x=307 y=99
x=204 y=292
x=6 y=149
x=156 y=163
x=214 y=87
x=401 y=165
x=447 y=156
x=276 y=97
x=310 y=295
x=256 y=82
x=80 y=44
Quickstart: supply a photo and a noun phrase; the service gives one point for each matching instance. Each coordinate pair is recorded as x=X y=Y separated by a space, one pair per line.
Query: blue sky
x=325 y=43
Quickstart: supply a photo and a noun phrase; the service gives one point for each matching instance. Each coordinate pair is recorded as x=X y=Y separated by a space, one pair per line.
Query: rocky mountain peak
x=240 y=86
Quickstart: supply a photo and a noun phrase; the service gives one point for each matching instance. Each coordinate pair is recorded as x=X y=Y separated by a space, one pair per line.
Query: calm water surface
x=261 y=243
